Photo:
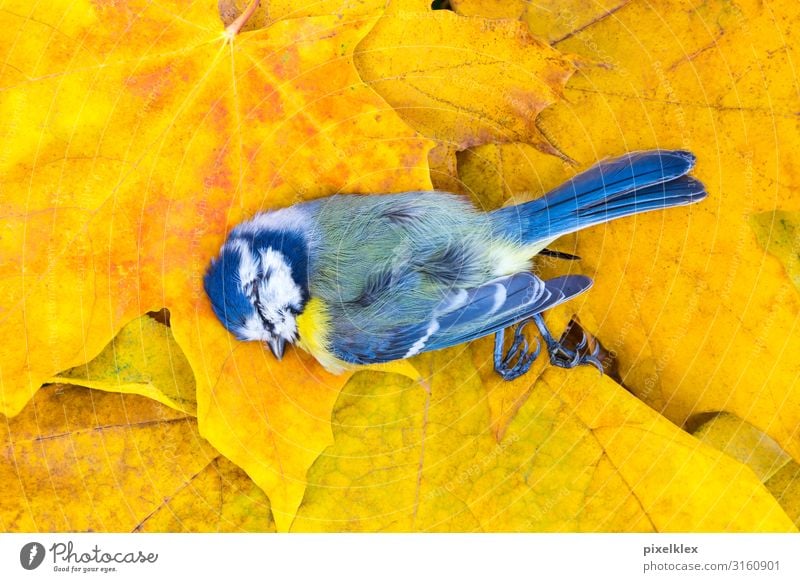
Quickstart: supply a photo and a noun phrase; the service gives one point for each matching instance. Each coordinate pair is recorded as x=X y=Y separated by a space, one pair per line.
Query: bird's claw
x=518 y=359
x=564 y=357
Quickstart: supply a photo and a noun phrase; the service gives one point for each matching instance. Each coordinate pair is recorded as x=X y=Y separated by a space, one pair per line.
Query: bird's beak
x=277 y=345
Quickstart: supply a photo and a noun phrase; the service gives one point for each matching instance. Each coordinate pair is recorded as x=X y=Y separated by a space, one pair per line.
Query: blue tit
x=370 y=279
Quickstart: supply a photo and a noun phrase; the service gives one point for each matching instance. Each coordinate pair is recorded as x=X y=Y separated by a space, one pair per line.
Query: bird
x=369 y=279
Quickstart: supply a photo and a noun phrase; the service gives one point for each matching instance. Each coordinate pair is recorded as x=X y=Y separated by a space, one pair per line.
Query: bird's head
x=259 y=284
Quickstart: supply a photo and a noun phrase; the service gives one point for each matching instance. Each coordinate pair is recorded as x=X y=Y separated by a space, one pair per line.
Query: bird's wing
x=465 y=315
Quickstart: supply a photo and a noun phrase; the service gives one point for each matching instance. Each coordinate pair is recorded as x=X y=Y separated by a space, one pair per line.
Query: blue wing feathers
x=633 y=183
x=483 y=311
x=522 y=306
x=500 y=295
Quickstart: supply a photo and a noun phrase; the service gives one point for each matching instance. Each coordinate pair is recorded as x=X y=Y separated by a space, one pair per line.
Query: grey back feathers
x=406 y=249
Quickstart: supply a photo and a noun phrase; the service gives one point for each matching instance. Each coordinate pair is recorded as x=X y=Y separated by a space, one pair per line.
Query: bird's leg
x=564 y=357
x=517 y=359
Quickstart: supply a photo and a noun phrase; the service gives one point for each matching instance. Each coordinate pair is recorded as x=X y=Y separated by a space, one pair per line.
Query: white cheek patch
x=278 y=292
x=252 y=330
x=248 y=267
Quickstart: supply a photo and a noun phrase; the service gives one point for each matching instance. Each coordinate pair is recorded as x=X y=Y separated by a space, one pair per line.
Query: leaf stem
x=234 y=27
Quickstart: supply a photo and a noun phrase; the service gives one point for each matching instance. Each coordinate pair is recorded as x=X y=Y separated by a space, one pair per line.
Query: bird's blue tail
x=634 y=183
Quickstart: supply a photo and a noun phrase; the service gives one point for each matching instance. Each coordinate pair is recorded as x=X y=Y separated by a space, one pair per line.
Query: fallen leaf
x=141 y=135
x=581 y=455
x=742 y=441
x=489 y=86
x=273 y=421
x=489 y=8
x=701 y=318
x=81 y=460
x=142 y=359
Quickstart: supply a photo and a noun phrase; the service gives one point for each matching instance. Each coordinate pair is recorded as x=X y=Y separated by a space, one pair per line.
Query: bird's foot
x=564 y=357
x=518 y=359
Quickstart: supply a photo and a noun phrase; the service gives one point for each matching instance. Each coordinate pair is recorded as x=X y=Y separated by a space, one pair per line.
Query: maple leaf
x=488 y=86
x=580 y=455
x=143 y=358
x=82 y=460
x=141 y=134
x=702 y=317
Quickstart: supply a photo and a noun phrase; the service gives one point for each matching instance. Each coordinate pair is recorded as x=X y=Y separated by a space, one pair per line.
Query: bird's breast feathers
x=314 y=328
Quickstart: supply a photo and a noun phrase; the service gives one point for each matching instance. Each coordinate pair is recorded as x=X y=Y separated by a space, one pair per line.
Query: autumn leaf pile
x=134 y=134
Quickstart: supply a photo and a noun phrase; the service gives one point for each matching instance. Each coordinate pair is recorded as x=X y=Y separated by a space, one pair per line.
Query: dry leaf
x=702 y=319
x=140 y=137
x=462 y=81
x=142 y=359
x=82 y=460
x=581 y=455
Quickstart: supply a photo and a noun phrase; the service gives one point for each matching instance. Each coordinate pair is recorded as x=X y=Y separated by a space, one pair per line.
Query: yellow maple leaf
x=580 y=455
x=142 y=132
x=702 y=318
x=82 y=460
x=140 y=135
x=462 y=81
x=142 y=359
